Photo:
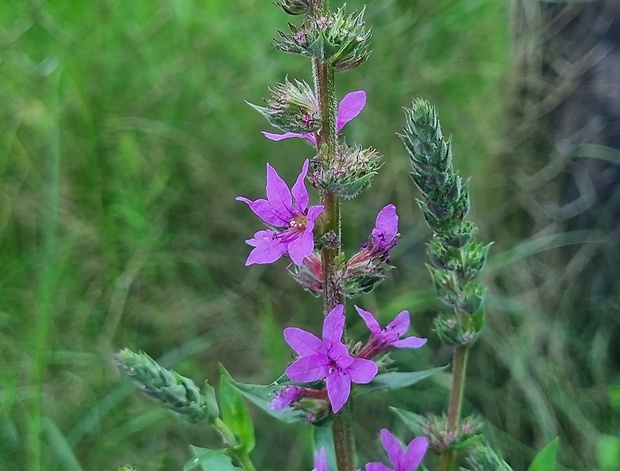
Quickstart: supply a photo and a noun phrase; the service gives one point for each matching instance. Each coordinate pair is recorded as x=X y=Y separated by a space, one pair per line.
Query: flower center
x=298 y=223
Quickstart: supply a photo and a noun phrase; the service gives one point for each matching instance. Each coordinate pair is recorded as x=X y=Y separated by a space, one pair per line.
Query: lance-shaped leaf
x=395 y=380
x=235 y=413
x=261 y=396
x=546 y=458
x=210 y=460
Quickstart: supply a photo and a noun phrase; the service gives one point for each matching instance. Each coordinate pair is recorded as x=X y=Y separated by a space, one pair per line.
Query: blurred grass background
x=124 y=139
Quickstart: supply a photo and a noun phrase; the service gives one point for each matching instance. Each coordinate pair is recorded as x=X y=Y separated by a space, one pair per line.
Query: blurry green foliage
x=124 y=138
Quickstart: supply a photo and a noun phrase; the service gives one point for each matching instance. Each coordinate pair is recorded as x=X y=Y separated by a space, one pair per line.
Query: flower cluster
x=365 y=269
x=293 y=107
x=348 y=108
x=337 y=39
x=329 y=358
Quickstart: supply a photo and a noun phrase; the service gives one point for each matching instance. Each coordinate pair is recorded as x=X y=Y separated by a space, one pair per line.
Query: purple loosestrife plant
x=291 y=221
x=319 y=382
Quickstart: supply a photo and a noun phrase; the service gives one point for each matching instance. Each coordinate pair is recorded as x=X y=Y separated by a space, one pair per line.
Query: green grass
x=124 y=139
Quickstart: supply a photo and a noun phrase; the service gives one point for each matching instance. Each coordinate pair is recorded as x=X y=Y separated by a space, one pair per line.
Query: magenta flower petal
x=264 y=210
x=410 y=342
x=369 y=319
x=377 y=467
x=340 y=356
x=288 y=135
x=349 y=107
x=299 y=191
x=415 y=453
x=393 y=448
x=285 y=397
x=333 y=325
x=320 y=460
x=300 y=247
x=399 y=325
x=313 y=213
x=267 y=248
x=309 y=368
x=386 y=224
x=304 y=343
x=278 y=194
x=362 y=371
x=338 y=388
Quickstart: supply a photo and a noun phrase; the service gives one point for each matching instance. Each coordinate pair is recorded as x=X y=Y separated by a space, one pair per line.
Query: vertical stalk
x=459 y=368
x=332 y=293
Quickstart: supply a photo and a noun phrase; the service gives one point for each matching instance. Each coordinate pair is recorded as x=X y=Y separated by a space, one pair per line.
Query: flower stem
x=344 y=440
x=459 y=368
x=235 y=452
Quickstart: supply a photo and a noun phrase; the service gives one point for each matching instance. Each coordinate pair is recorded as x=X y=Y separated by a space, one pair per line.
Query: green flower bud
x=174 y=391
x=294 y=7
x=340 y=40
x=483 y=458
x=292 y=107
x=352 y=170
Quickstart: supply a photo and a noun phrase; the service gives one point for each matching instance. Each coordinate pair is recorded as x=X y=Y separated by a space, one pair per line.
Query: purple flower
x=383 y=237
x=286 y=397
x=385 y=234
x=349 y=107
x=291 y=222
x=320 y=460
x=380 y=339
x=328 y=358
x=402 y=460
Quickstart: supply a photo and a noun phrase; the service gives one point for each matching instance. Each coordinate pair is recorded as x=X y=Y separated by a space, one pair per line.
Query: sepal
x=292 y=107
x=352 y=171
x=435 y=428
x=340 y=40
x=294 y=7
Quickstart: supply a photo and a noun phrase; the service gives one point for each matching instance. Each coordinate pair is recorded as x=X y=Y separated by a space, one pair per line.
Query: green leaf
x=210 y=460
x=235 y=413
x=608 y=452
x=261 y=396
x=395 y=380
x=415 y=422
x=324 y=438
x=545 y=459
x=201 y=455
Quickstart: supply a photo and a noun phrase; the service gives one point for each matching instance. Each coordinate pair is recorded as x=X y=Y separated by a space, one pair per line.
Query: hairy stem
x=459 y=368
x=332 y=292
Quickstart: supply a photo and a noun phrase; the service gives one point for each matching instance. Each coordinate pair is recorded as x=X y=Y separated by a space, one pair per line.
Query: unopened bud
x=294 y=7
x=340 y=40
x=292 y=107
x=176 y=392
